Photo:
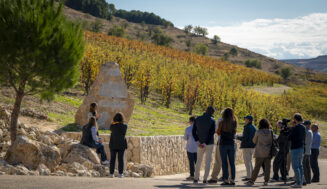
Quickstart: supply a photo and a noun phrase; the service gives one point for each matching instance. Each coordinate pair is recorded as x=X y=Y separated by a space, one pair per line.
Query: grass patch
x=72 y=101
x=62 y=119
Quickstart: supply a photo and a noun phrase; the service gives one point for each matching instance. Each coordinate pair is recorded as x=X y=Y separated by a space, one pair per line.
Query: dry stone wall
x=166 y=154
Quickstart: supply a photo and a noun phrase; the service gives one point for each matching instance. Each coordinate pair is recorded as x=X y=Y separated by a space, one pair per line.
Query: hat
x=307 y=122
x=249 y=117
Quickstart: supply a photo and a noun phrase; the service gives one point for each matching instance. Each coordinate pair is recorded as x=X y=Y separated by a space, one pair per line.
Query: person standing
x=90 y=139
x=316 y=141
x=263 y=139
x=247 y=145
x=307 y=153
x=203 y=132
x=191 y=148
x=117 y=144
x=297 y=138
x=227 y=130
x=280 y=161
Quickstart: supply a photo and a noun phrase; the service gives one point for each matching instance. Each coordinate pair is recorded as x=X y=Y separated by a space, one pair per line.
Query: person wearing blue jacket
x=247 y=145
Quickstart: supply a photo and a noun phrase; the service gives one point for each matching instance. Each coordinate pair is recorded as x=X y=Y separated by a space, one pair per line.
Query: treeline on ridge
x=102 y=9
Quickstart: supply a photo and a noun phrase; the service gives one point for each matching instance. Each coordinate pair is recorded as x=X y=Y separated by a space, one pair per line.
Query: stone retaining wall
x=166 y=154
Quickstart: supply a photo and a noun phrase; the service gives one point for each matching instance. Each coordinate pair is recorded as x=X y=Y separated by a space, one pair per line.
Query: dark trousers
x=100 y=150
x=306 y=169
x=280 y=162
x=192 y=161
x=227 y=151
x=258 y=164
x=113 y=154
x=314 y=164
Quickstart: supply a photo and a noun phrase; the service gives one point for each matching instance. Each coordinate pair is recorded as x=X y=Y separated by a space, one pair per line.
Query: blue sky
x=277 y=28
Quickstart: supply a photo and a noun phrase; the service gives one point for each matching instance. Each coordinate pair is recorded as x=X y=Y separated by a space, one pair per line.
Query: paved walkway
x=172 y=181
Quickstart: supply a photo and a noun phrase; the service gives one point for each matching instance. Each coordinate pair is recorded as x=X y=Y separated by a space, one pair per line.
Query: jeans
x=192 y=161
x=247 y=156
x=306 y=169
x=201 y=151
x=258 y=164
x=113 y=154
x=280 y=162
x=228 y=151
x=314 y=164
x=100 y=150
x=297 y=159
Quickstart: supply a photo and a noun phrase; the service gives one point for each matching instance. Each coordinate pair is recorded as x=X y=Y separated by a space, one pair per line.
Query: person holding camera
x=280 y=160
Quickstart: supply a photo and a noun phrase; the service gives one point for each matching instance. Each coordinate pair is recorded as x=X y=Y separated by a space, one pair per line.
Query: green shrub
x=253 y=64
x=117 y=31
x=200 y=49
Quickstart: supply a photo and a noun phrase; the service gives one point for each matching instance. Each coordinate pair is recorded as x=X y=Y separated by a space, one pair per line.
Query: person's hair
x=229 y=122
x=210 y=110
x=119 y=118
x=93 y=122
x=298 y=117
x=264 y=124
x=315 y=125
x=280 y=122
x=192 y=119
x=93 y=105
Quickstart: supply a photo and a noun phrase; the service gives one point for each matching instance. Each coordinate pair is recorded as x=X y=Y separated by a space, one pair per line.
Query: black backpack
x=274 y=146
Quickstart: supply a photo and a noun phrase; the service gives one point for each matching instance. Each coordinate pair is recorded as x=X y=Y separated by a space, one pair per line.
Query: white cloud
x=300 y=37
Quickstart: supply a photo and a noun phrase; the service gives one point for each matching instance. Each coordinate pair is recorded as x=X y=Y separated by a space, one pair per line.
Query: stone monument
x=109 y=91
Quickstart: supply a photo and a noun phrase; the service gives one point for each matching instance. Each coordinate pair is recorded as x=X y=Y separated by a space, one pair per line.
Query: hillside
x=143 y=32
x=318 y=64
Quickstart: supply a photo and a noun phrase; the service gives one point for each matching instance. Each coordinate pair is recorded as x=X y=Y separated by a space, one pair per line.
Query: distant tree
x=111 y=11
x=96 y=26
x=159 y=38
x=216 y=39
x=188 y=43
x=201 y=49
x=188 y=29
x=98 y=8
x=225 y=57
x=233 y=51
x=286 y=72
x=253 y=64
x=39 y=50
x=117 y=31
x=125 y=25
x=198 y=30
x=141 y=36
x=143 y=24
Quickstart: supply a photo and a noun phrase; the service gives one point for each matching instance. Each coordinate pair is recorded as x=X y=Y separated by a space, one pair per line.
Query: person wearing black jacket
x=117 y=144
x=297 y=138
x=247 y=145
x=203 y=133
x=281 y=157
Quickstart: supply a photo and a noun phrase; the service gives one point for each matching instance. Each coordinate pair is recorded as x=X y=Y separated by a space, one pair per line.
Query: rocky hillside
x=318 y=64
x=143 y=32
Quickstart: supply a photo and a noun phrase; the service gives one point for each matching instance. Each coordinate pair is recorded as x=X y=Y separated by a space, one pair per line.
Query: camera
x=285 y=122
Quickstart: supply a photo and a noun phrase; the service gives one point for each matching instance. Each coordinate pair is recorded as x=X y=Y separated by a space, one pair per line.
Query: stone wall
x=166 y=154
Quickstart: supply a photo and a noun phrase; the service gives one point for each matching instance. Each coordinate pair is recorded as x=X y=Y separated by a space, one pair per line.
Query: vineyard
x=198 y=81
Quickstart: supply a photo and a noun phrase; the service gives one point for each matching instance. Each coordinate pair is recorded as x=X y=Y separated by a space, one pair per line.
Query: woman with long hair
x=117 y=144
x=90 y=139
x=94 y=111
x=263 y=139
x=227 y=130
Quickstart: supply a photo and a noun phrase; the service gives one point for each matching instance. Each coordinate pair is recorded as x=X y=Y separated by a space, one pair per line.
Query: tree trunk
x=14 y=116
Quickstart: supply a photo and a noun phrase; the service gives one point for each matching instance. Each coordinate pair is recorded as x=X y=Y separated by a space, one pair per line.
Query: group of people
x=117 y=144
x=297 y=144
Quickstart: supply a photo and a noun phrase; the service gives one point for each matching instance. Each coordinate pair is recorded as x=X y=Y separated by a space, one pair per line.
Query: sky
x=282 y=29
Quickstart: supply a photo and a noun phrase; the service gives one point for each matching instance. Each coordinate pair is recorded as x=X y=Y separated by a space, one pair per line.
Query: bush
x=233 y=51
x=96 y=26
x=160 y=38
x=285 y=72
x=200 y=49
x=253 y=64
x=117 y=31
x=216 y=39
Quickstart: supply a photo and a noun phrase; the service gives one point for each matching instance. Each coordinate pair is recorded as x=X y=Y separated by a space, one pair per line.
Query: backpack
x=274 y=146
